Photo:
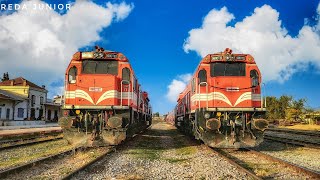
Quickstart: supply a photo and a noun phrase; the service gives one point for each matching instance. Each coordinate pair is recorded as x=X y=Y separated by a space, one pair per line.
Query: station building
x=21 y=99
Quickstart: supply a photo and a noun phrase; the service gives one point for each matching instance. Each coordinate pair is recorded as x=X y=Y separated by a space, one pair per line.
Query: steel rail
x=310 y=172
x=4 y=173
x=112 y=149
x=25 y=142
x=293 y=141
x=78 y=170
x=241 y=168
x=291 y=131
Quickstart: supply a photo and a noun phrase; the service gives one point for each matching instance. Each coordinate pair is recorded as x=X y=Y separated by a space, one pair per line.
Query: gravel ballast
x=162 y=153
x=302 y=156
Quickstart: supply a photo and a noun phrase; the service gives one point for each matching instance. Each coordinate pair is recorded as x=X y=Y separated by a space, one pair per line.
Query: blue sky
x=153 y=34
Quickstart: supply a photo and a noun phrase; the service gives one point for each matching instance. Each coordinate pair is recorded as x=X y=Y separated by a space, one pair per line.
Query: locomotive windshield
x=228 y=69
x=99 y=67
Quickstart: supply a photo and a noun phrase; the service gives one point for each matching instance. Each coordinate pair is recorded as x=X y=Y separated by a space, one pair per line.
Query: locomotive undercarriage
x=227 y=129
x=105 y=127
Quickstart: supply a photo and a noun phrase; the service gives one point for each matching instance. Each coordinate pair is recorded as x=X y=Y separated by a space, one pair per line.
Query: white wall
x=37 y=106
x=53 y=109
x=7 y=104
x=24 y=106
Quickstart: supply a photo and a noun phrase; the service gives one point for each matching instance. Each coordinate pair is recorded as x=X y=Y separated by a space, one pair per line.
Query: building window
x=32 y=114
x=20 y=112
x=49 y=115
x=40 y=114
x=33 y=100
x=55 y=118
x=8 y=113
x=41 y=100
x=72 y=75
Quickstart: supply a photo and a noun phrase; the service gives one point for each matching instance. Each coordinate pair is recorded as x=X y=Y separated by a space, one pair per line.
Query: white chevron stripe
x=210 y=97
x=104 y=96
x=220 y=96
x=84 y=95
x=243 y=97
x=107 y=94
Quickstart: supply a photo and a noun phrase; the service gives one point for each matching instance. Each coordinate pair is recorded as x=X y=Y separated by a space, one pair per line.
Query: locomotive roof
x=228 y=56
x=99 y=54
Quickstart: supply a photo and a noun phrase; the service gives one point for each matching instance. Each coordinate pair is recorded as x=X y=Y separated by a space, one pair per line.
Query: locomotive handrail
x=200 y=93
x=264 y=94
x=122 y=92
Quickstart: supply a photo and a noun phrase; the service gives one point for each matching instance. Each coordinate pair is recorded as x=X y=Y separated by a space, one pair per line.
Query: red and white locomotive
x=222 y=105
x=103 y=101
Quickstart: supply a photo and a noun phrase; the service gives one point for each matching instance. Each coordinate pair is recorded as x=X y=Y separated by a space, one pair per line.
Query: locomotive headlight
x=207 y=115
x=98 y=54
x=87 y=55
x=95 y=54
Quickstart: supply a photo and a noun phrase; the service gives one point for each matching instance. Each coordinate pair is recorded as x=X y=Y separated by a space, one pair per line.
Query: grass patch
x=187 y=150
x=150 y=154
x=12 y=157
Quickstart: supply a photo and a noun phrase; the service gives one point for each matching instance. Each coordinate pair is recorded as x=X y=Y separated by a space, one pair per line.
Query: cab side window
x=72 y=75
x=202 y=75
x=126 y=75
x=254 y=78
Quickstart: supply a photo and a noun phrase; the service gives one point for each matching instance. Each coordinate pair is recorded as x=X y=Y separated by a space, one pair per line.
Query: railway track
x=87 y=165
x=296 y=142
x=95 y=154
x=13 y=170
x=294 y=137
x=7 y=144
x=233 y=162
x=79 y=169
x=302 y=132
x=262 y=166
x=58 y=164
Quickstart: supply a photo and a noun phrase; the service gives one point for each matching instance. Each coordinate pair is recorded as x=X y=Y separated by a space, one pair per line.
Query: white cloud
x=177 y=86
x=122 y=10
x=261 y=34
x=38 y=44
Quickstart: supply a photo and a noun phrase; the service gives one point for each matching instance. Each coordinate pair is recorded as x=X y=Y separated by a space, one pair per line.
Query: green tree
x=272 y=108
x=298 y=107
x=284 y=104
x=5 y=77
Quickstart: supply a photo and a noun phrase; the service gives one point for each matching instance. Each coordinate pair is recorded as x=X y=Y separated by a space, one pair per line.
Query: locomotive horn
x=213 y=124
